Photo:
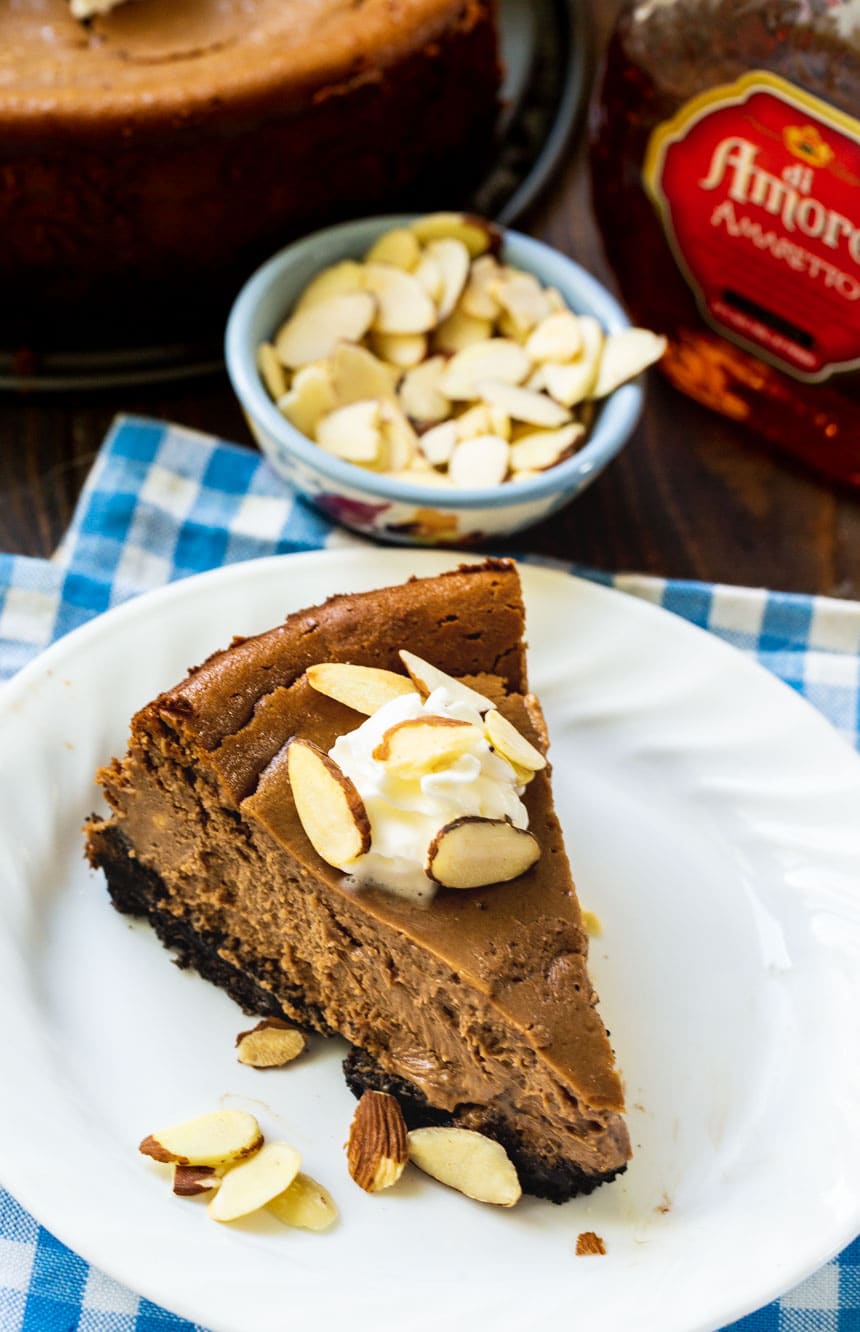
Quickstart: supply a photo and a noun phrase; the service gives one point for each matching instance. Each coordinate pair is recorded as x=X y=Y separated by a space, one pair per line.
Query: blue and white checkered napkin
x=163 y=502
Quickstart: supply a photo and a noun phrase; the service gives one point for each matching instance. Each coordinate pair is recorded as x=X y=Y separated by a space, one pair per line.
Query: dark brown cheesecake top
x=147 y=56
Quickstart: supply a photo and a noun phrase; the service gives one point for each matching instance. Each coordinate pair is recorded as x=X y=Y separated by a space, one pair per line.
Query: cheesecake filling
x=407 y=813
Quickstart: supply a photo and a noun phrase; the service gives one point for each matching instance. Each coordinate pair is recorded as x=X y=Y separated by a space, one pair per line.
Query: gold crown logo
x=805 y=142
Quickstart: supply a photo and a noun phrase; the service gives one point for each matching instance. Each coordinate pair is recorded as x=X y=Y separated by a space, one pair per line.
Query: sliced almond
x=399 y=440
x=472 y=852
x=499 y=421
x=460 y=330
x=218 y=1139
x=466 y=1161
x=478 y=298
x=310 y=398
x=329 y=807
x=524 y=404
x=353 y=433
x=412 y=749
x=402 y=304
x=428 y=678
x=485 y=418
x=254 y=1183
x=474 y=421
x=376 y=1152
x=366 y=689
x=271 y=371
x=339 y=280
x=399 y=247
x=271 y=1044
x=508 y=327
x=537 y=379
x=429 y=274
x=402 y=350
x=523 y=775
x=542 y=449
x=305 y=1204
x=476 y=233
x=626 y=355
x=452 y=259
x=522 y=298
x=314 y=331
x=510 y=743
x=555 y=338
x=497 y=358
x=437 y=443
x=190 y=1181
x=359 y=376
x=480 y=462
x=571 y=383
x=420 y=395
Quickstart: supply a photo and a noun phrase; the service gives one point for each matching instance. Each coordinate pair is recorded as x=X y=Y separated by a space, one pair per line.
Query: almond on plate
x=190 y=1181
x=329 y=807
x=220 y=1138
x=466 y=1161
x=472 y=852
x=376 y=1151
x=271 y=1044
x=305 y=1204
x=249 y=1186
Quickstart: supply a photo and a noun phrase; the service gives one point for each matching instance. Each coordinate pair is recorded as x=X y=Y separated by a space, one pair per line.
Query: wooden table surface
x=692 y=495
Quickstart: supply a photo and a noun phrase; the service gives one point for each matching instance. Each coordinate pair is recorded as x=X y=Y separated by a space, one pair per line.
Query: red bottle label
x=758 y=186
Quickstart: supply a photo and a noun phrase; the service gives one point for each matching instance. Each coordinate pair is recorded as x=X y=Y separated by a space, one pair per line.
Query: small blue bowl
x=385 y=507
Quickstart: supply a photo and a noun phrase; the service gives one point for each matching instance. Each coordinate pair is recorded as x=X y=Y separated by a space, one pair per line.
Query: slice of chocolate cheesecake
x=465 y=996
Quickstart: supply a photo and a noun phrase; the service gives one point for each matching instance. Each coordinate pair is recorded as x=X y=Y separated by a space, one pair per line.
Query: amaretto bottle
x=726 y=177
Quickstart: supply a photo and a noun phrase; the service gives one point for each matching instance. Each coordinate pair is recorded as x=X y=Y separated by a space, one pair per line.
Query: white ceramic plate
x=712 y=822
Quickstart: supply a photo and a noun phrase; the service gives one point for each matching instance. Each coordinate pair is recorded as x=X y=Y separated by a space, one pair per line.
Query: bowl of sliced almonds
x=435 y=380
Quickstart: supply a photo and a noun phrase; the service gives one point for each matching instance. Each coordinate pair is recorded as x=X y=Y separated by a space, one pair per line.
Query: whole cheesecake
x=150 y=157
x=474 y=1008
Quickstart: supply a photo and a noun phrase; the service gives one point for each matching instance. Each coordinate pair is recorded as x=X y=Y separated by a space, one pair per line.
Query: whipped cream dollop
x=406 y=813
